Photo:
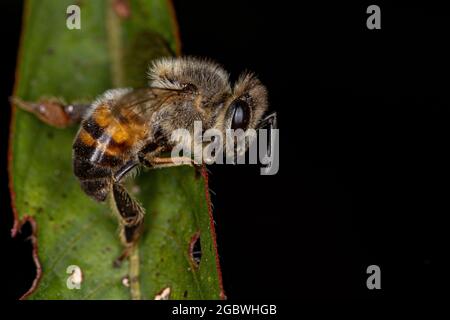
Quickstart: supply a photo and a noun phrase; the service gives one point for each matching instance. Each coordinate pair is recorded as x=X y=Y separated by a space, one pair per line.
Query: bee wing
x=142 y=101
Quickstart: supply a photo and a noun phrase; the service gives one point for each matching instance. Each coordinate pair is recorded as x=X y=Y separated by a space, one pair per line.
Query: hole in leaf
x=195 y=249
x=126 y=281
x=22 y=267
x=164 y=294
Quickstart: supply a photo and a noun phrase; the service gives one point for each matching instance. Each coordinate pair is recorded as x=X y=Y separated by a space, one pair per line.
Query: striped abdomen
x=103 y=145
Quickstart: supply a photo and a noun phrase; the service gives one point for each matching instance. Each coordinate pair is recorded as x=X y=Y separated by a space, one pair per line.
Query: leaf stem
x=114 y=31
x=135 y=288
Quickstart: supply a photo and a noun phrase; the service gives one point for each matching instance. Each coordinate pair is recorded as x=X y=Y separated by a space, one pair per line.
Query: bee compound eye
x=240 y=114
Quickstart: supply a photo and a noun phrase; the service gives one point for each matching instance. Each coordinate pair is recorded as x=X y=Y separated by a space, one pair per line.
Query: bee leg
x=131 y=216
x=130 y=165
x=53 y=111
x=130 y=211
x=271 y=122
x=160 y=162
x=129 y=236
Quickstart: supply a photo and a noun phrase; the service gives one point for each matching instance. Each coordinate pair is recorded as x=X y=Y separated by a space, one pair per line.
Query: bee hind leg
x=131 y=216
x=129 y=236
x=53 y=111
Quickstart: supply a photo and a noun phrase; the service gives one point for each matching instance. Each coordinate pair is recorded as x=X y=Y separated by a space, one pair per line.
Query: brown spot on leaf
x=122 y=8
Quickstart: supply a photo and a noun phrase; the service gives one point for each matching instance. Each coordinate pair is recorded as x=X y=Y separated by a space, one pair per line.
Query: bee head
x=243 y=110
x=247 y=104
x=210 y=96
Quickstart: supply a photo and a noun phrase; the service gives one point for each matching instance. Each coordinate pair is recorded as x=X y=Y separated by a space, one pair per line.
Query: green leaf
x=70 y=228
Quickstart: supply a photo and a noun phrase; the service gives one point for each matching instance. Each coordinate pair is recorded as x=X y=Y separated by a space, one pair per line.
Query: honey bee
x=126 y=128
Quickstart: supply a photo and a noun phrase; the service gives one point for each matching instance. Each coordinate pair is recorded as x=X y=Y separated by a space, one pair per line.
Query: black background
x=363 y=173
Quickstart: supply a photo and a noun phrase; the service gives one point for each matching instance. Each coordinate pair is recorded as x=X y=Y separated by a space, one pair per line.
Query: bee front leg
x=53 y=111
